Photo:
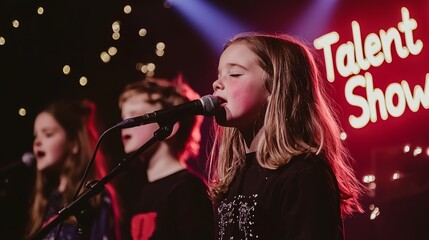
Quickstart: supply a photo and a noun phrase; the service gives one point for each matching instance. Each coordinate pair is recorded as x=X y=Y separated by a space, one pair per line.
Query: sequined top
x=299 y=200
x=102 y=226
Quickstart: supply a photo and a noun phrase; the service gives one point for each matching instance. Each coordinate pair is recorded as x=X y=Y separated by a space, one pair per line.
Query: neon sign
x=353 y=57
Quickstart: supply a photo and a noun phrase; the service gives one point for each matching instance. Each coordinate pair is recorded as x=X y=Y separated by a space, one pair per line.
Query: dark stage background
x=390 y=152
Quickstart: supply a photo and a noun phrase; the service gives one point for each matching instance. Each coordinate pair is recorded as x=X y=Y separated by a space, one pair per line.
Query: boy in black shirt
x=173 y=202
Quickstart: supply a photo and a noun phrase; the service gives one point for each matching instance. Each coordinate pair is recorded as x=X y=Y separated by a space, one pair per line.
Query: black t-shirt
x=299 y=200
x=173 y=207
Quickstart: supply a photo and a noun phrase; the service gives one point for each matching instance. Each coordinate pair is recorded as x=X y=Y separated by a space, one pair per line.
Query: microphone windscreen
x=28 y=159
x=210 y=105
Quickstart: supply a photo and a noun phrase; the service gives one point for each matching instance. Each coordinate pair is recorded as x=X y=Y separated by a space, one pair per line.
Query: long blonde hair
x=298 y=119
x=77 y=117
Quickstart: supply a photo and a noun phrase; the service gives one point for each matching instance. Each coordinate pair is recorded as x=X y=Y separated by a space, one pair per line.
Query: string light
x=112 y=51
x=40 y=10
x=417 y=151
x=116 y=35
x=406 y=148
x=160 y=46
x=105 y=57
x=15 y=23
x=66 y=69
x=368 y=178
x=396 y=176
x=116 y=26
x=374 y=213
x=151 y=67
x=142 y=32
x=127 y=9
x=83 y=81
x=343 y=136
x=22 y=112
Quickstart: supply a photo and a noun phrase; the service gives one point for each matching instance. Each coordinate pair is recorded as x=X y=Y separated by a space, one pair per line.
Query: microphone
x=207 y=106
x=27 y=160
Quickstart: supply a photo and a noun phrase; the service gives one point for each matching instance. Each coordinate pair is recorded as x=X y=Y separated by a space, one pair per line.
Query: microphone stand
x=77 y=207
